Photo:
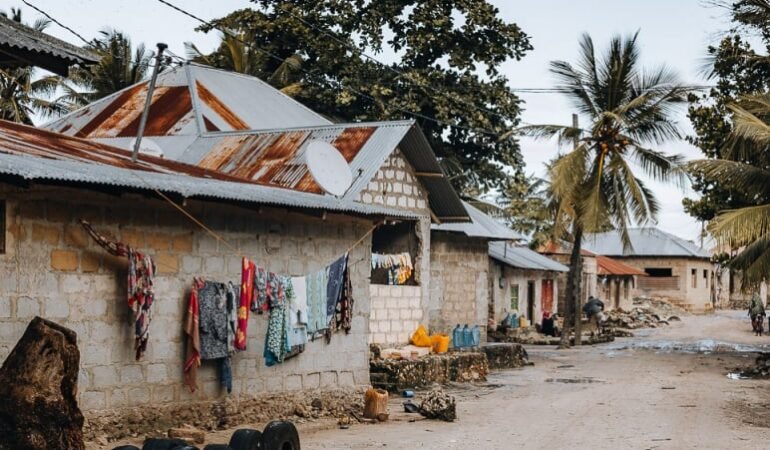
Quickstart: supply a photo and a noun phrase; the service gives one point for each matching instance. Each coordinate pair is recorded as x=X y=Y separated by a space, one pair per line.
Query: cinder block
x=183 y=242
x=156 y=373
x=139 y=396
x=93 y=400
x=159 y=241
x=65 y=260
x=167 y=263
x=56 y=308
x=163 y=394
x=95 y=355
x=329 y=379
x=132 y=374
x=89 y=262
x=27 y=307
x=6 y=307
x=101 y=332
x=345 y=379
x=104 y=376
x=75 y=236
x=396 y=325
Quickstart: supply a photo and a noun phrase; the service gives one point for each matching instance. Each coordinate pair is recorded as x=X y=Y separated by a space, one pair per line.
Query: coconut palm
x=629 y=114
x=22 y=94
x=746 y=228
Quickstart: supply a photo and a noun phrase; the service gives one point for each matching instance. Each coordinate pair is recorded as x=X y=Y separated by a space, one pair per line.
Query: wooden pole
x=578 y=261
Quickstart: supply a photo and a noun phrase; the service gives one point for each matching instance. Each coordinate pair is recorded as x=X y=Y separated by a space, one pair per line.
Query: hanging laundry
x=248 y=270
x=141 y=294
x=399 y=266
x=192 y=329
x=344 y=307
x=334 y=287
x=298 y=312
x=277 y=339
x=260 y=301
x=316 y=284
x=213 y=318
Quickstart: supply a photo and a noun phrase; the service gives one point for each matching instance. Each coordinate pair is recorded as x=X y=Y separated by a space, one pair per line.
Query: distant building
x=677 y=269
x=615 y=282
x=588 y=278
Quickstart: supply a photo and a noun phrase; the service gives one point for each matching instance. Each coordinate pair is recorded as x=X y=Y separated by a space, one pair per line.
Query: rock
x=505 y=356
x=317 y=403
x=188 y=434
x=38 y=385
x=301 y=411
x=437 y=404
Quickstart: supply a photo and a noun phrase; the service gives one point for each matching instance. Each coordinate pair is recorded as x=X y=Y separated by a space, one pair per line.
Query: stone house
x=522 y=281
x=589 y=277
x=50 y=268
x=615 y=282
x=676 y=269
x=460 y=271
x=213 y=124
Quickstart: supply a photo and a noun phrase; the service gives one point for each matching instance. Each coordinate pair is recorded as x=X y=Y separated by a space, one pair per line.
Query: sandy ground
x=667 y=389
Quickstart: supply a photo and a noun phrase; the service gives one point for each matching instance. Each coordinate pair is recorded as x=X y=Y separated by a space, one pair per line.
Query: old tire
x=166 y=444
x=217 y=447
x=246 y=439
x=126 y=447
x=280 y=435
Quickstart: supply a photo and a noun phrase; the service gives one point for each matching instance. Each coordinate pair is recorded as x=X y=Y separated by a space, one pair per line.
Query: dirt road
x=667 y=389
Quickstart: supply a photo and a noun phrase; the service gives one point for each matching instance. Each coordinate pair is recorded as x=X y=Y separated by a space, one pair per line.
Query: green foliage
x=528 y=208
x=22 y=94
x=738 y=71
x=448 y=56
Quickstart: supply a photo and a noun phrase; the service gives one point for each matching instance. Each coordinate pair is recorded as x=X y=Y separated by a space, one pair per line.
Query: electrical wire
x=52 y=19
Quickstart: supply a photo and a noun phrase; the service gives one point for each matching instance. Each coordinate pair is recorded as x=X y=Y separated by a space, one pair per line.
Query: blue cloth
x=226 y=374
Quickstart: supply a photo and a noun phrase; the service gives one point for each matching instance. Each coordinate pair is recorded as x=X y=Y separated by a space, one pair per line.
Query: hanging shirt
x=192 y=329
x=212 y=300
x=315 y=291
x=334 y=287
x=247 y=293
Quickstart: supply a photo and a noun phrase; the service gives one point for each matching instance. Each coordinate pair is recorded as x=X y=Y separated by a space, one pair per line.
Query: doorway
x=546 y=296
x=531 y=301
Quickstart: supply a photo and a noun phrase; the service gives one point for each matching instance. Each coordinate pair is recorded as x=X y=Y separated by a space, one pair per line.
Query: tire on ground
x=280 y=435
x=166 y=444
x=217 y=447
x=126 y=447
x=246 y=439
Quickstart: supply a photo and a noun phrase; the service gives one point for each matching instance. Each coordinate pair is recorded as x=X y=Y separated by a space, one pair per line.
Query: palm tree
x=22 y=94
x=120 y=66
x=746 y=228
x=629 y=113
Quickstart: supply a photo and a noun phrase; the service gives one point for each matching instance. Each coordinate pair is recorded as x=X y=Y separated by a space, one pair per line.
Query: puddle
x=700 y=346
x=573 y=380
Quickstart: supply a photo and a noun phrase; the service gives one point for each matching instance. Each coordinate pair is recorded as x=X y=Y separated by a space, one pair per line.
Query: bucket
x=523 y=322
x=440 y=343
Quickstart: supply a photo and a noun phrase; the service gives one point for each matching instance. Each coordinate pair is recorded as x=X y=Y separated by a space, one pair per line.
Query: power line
x=56 y=21
x=338 y=83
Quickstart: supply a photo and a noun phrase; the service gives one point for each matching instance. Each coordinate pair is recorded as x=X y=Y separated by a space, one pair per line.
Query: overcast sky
x=675 y=33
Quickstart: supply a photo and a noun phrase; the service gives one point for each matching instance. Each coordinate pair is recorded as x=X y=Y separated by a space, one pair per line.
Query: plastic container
x=467 y=336
x=457 y=337
x=476 y=336
x=440 y=343
x=523 y=322
x=513 y=321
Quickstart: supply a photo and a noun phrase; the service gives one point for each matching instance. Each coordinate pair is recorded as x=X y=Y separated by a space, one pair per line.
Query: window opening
x=395 y=248
x=658 y=272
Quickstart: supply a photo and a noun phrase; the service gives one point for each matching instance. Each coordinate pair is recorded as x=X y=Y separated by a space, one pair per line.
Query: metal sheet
x=523 y=258
x=16 y=35
x=644 y=242
x=609 y=266
x=481 y=225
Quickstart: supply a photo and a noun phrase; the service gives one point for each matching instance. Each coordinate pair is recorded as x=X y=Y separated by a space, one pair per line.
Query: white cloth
x=298 y=305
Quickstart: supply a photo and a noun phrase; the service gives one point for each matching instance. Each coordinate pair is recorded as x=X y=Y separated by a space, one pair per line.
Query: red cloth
x=247 y=294
x=192 y=329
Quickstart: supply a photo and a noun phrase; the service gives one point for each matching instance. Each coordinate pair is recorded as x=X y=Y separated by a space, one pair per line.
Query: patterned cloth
x=259 y=303
x=344 y=309
x=316 y=301
x=192 y=329
x=277 y=340
x=141 y=273
x=213 y=318
x=247 y=293
x=334 y=287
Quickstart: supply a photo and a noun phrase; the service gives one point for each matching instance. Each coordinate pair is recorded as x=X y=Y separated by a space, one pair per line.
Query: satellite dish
x=328 y=167
x=147 y=147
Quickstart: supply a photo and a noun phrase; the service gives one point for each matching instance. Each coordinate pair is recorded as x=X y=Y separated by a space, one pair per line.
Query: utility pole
x=148 y=101
x=578 y=304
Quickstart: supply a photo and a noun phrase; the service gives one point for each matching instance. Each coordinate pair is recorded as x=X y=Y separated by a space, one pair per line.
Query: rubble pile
x=506 y=355
x=437 y=404
x=646 y=313
x=760 y=369
x=397 y=374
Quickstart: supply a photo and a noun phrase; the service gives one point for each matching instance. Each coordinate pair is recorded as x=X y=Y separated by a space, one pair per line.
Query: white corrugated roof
x=523 y=257
x=647 y=241
x=481 y=225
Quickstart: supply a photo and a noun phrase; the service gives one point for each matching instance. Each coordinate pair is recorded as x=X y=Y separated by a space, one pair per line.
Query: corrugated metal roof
x=523 y=257
x=50 y=156
x=189 y=100
x=25 y=46
x=608 y=266
x=481 y=225
x=644 y=242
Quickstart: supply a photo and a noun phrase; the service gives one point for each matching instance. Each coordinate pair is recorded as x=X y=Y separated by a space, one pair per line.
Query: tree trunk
x=572 y=316
x=577 y=260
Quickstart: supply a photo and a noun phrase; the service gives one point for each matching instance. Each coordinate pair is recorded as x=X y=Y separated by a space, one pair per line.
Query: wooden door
x=546 y=296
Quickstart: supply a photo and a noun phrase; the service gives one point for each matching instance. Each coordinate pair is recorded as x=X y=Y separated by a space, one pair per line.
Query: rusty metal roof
x=21 y=46
x=189 y=100
x=33 y=154
x=240 y=126
x=609 y=266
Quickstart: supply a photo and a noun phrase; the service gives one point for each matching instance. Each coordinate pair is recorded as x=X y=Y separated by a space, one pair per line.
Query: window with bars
x=514 y=297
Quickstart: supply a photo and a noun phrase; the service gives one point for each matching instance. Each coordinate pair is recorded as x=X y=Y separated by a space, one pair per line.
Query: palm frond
x=660 y=166
x=740 y=227
x=565 y=135
x=739 y=176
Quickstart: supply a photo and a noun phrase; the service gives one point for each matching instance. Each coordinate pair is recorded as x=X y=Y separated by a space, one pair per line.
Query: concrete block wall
x=395 y=185
x=53 y=269
x=696 y=298
x=459 y=291
x=396 y=312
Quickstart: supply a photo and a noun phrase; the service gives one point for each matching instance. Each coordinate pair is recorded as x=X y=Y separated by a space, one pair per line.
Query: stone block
x=27 y=307
x=215 y=265
x=374 y=327
x=93 y=400
x=56 y=308
x=395 y=325
x=329 y=380
x=405 y=314
x=384 y=326
x=65 y=260
x=101 y=332
x=167 y=263
x=104 y=376
x=95 y=355
x=46 y=234
x=89 y=262
x=311 y=381
x=118 y=398
x=156 y=373
x=139 y=396
x=159 y=241
x=293 y=383
x=183 y=243
x=192 y=264
x=95 y=308
x=76 y=236
x=163 y=394
x=133 y=237
x=132 y=374
x=345 y=379
x=6 y=307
